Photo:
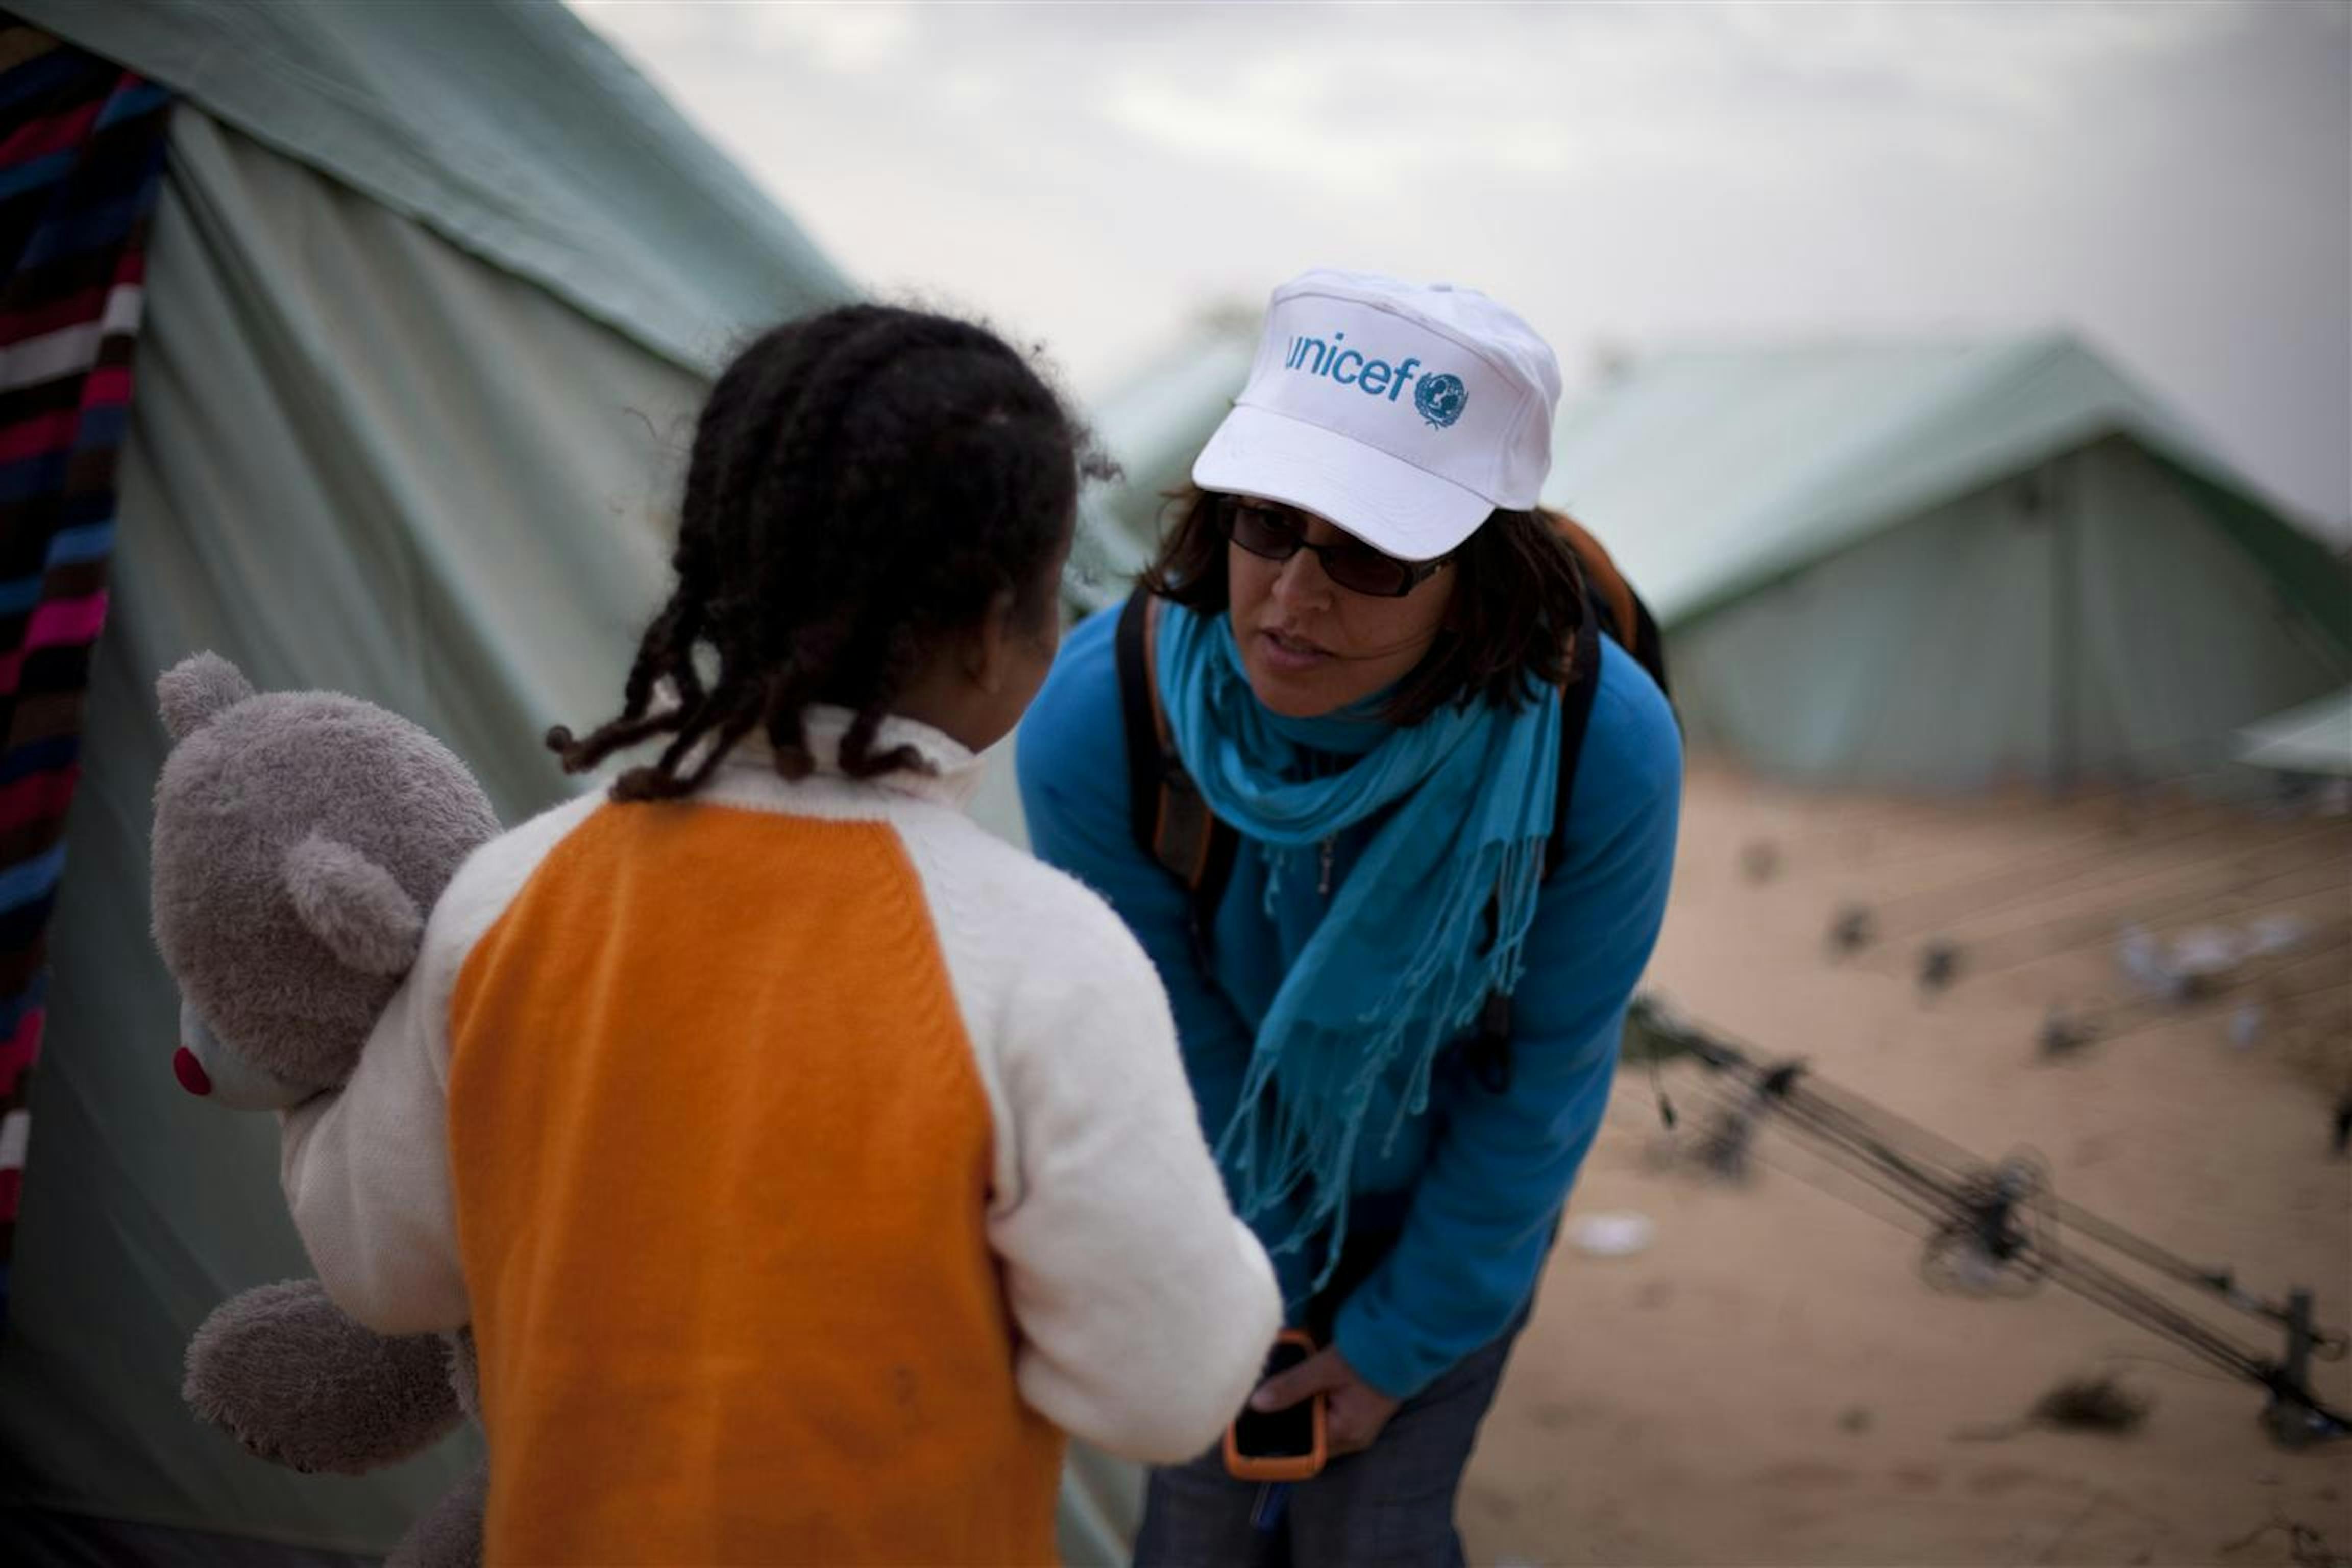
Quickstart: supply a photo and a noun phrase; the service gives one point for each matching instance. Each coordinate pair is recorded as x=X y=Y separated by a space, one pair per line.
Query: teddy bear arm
x=296 y=1381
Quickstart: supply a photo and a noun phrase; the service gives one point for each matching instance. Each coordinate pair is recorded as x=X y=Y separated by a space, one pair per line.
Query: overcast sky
x=2170 y=178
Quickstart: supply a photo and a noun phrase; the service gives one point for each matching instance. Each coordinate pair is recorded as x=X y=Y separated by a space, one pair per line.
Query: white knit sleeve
x=1145 y=1308
x=366 y=1168
x=366 y=1174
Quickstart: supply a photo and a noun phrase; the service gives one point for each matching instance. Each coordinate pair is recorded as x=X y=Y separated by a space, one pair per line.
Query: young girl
x=805 y=1161
x=1365 y=638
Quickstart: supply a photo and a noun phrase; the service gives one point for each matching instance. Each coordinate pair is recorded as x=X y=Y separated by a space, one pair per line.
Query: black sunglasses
x=1277 y=533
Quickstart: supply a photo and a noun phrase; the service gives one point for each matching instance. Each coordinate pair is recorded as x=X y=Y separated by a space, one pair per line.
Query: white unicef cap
x=1404 y=413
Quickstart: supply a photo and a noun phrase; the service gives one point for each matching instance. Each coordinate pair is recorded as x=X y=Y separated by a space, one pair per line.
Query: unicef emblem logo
x=1440 y=399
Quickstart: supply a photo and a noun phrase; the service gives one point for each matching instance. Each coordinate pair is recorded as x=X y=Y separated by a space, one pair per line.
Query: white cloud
x=1974 y=56
x=1670 y=90
x=2170 y=175
x=839 y=37
x=652 y=27
x=856 y=38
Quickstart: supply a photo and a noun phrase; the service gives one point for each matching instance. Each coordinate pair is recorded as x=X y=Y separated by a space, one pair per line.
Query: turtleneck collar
x=955 y=770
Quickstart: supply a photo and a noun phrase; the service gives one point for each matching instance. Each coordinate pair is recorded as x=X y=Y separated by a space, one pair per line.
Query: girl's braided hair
x=862 y=481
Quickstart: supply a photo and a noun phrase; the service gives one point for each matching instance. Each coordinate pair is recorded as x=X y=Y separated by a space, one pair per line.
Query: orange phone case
x=1289 y=1467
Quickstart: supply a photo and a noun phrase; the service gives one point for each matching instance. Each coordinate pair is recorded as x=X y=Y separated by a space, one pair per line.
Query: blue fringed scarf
x=1399 y=965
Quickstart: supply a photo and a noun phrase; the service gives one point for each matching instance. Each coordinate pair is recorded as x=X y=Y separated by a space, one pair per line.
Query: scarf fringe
x=1280 y=1151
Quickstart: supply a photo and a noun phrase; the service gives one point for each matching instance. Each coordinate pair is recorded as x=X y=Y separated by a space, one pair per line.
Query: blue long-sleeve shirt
x=1479 y=1177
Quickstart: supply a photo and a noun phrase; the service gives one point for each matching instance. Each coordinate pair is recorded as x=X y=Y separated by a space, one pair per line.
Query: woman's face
x=1310 y=646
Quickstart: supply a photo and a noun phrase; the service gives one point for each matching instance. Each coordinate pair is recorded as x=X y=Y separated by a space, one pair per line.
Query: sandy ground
x=1774 y=1381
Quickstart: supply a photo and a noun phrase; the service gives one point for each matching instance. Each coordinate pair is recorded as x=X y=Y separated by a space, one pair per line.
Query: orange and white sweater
x=806 y=1162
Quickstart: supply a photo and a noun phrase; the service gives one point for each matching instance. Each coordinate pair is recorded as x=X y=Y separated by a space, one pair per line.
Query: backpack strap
x=1166 y=812
x=1575 y=718
x=1602 y=581
x=1648 y=648
x=1625 y=619
x=1139 y=712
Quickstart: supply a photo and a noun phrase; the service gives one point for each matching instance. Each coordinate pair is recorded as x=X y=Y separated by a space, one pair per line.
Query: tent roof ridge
x=663 y=239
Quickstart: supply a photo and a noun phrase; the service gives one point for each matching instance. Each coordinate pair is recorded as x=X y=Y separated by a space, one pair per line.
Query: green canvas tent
x=2315 y=739
x=434 y=292
x=1946 y=567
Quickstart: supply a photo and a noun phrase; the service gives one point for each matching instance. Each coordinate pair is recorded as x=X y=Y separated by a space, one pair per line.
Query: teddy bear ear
x=352 y=904
x=193 y=691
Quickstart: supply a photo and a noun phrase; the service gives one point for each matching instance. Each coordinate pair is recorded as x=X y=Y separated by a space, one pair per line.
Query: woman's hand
x=1357 y=1410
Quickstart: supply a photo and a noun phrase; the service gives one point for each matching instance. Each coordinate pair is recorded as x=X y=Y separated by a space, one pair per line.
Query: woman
x=1362 y=632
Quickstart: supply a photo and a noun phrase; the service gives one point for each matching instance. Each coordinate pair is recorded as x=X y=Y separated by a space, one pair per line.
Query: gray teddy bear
x=300 y=840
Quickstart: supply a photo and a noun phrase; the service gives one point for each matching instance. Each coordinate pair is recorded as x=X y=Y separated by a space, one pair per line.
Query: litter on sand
x=1617 y=1234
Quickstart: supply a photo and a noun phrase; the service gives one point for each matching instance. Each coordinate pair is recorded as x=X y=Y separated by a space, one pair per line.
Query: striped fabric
x=81 y=159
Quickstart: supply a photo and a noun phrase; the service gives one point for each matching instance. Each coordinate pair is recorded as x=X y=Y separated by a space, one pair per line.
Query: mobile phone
x=1279 y=1445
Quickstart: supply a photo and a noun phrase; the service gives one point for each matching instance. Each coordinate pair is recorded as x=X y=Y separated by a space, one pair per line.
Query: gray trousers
x=1390 y=1506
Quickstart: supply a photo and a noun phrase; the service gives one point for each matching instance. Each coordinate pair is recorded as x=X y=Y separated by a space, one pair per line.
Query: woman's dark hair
x=1508 y=630
x=861 y=481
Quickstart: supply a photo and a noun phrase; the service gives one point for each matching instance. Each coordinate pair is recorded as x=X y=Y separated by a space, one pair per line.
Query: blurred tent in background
x=1938 y=568
x=1155 y=423
x=1948 y=568
x=434 y=292
x=2314 y=740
